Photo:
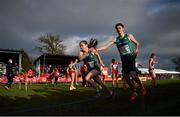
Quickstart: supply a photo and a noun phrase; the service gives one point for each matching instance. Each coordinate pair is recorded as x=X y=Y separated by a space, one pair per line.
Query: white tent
x=158 y=71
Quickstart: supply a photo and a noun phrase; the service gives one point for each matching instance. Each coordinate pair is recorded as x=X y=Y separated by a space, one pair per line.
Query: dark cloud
x=154 y=23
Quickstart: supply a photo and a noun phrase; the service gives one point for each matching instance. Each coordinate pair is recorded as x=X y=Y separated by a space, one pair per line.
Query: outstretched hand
x=135 y=52
x=102 y=64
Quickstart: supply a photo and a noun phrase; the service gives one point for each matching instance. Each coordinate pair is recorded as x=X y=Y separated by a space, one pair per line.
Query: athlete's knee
x=87 y=78
x=133 y=73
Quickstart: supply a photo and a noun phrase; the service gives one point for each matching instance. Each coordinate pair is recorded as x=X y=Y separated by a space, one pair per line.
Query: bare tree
x=51 y=44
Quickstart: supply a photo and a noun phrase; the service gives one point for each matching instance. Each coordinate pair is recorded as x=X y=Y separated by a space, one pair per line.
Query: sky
x=154 y=23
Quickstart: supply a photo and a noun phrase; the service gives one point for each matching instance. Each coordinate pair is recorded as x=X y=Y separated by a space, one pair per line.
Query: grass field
x=42 y=99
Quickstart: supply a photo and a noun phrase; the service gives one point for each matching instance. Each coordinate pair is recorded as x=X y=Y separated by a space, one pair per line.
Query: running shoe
x=6 y=87
x=71 y=88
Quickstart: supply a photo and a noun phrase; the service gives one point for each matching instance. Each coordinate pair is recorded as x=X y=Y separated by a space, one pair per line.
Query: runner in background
x=76 y=64
x=56 y=75
x=71 y=71
x=114 y=71
x=152 y=62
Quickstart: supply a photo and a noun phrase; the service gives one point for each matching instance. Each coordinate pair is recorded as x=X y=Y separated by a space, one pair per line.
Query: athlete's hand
x=102 y=64
x=135 y=52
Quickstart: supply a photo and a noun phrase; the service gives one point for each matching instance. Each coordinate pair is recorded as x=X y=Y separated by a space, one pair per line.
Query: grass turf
x=42 y=99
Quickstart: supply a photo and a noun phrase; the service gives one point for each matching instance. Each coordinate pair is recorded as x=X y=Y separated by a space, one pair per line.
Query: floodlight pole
x=20 y=62
x=44 y=61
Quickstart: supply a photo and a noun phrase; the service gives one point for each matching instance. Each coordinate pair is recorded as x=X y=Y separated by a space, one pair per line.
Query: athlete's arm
x=67 y=70
x=111 y=67
x=98 y=57
x=131 y=37
x=150 y=63
x=107 y=45
x=155 y=61
x=118 y=63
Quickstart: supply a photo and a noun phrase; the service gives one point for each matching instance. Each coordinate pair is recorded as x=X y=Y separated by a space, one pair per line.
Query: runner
x=71 y=71
x=152 y=62
x=114 y=71
x=128 y=52
x=89 y=57
x=76 y=71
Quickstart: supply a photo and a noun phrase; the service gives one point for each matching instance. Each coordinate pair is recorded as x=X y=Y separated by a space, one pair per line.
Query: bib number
x=125 y=50
x=91 y=64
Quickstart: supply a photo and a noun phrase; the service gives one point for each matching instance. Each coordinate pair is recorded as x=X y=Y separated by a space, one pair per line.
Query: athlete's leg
x=135 y=77
x=113 y=80
x=76 y=77
x=89 y=76
x=116 y=76
x=130 y=83
x=153 y=76
x=100 y=82
x=72 y=76
x=83 y=79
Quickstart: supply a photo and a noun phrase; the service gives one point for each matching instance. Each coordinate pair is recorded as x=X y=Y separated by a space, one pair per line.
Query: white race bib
x=125 y=50
x=91 y=64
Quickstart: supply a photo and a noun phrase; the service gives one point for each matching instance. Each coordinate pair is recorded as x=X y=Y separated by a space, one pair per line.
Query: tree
x=176 y=61
x=51 y=44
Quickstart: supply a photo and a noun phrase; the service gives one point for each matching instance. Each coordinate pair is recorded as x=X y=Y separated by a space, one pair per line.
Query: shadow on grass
x=58 y=100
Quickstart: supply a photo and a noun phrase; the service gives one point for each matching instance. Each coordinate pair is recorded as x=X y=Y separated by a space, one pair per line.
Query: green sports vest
x=125 y=46
x=90 y=61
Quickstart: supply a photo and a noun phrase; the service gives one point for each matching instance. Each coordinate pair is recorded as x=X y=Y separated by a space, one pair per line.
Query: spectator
x=9 y=74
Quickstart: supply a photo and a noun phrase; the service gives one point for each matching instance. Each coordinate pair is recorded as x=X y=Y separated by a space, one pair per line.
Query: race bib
x=114 y=66
x=91 y=64
x=125 y=50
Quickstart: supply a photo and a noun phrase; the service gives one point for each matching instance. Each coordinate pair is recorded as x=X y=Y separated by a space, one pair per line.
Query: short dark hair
x=83 y=41
x=113 y=60
x=152 y=55
x=119 y=24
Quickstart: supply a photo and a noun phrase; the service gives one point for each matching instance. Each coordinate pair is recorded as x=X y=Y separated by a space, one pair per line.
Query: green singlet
x=124 y=45
x=91 y=62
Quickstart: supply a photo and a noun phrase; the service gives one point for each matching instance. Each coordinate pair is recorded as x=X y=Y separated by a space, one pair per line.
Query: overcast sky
x=154 y=23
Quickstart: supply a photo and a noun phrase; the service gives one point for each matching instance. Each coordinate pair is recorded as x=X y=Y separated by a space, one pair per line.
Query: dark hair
x=119 y=24
x=77 y=60
x=83 y=41
x=113 y=60
x=152 y=55
x=93 y=43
